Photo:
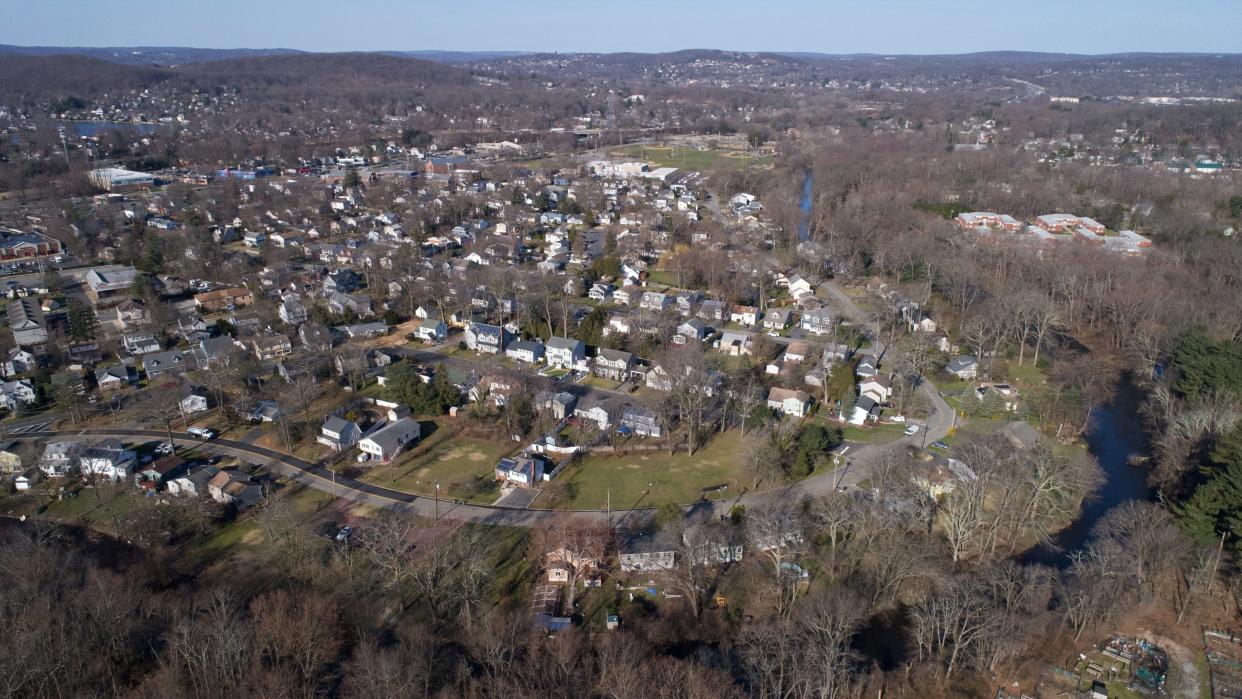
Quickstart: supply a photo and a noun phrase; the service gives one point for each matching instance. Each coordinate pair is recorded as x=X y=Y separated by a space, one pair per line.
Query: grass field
x=689 y=158
x=677 y=479
x=463 y=466
x=876 y=434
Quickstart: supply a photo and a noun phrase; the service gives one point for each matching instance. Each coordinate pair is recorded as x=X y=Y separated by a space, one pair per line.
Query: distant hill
x=458 y=56
x=143 y=55
x=327 y=70
x=63 y=75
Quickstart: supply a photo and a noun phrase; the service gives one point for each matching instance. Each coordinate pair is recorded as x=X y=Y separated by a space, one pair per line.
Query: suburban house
x=559 y=561
x=561 y=404
x=744 y=315
x=108 y=286
x=388 y=441
x=614 y=365
x=272 y=347
x=224 y=299
x=523 y=471
x=777 y=319
x=564 y=352
x=596 y=411
x=234 y=487
x=789 y=402
x=525 y=351
x=818 y=321
x=640 y=420
x=19 y=362
x=217 y=351
x=172 y=362
x=341 y=281
x=713 y=543
x=432 y=330
x=339 y=433
x=140 y=343
x=108 y=459
x=865 y=408
x=866 y=367
x=14 y=393
x=693 y=329
x=192 y=483
x=734 y=343
x=488 y=339
x=712 y=311
x=59 y=458
x=964 y=367
x=878 y=388
x=292 y=310
x=27 y=322
x=647 y=552
x=115 y=377
x=654 y=301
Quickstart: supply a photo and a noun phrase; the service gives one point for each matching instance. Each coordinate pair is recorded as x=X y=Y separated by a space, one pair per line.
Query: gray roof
x=336 y=424
x=394 y=434
x=566 y=343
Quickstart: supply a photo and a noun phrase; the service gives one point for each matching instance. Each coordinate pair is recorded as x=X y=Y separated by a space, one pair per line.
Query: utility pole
x=437 y=501
x=608 y=508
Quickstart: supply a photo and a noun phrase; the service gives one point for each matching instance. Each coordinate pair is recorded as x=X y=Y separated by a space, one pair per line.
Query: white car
x=364 y=457
x=912 y=430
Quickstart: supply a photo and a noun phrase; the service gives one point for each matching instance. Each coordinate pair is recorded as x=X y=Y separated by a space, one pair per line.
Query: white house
x=877 y=388
x=564 y=352
x=14 y=393
x=108 y=459
x=432 y=330
x=525 y=351
x=388 y=441
x=789 y=402
x=59 y=458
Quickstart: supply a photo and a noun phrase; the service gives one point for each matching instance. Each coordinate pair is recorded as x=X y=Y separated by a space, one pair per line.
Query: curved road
x=321 y=478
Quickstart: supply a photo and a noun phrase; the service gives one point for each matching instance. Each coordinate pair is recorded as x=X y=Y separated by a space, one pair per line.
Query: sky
x=828 y=26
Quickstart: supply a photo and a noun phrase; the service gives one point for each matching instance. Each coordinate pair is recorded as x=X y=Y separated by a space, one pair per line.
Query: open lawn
x=874 y=434
x=463 y=466
x=600 y=382
x=1025 y=374
x=677 y=479
x=689 y=158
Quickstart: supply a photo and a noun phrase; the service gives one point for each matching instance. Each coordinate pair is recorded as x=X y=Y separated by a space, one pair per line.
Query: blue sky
x=830 y=26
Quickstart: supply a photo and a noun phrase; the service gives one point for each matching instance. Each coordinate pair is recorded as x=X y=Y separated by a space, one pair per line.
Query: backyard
x=670 y=479
x=462 y=464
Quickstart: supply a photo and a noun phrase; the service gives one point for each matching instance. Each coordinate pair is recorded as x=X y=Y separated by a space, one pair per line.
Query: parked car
x=202 y=432
x=364 y=457
x=939 y=445
x=343 y=535
x=912 y=430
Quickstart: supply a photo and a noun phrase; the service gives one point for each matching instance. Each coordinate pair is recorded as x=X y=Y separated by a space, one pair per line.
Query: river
x=1115 y=435
x=804 y=225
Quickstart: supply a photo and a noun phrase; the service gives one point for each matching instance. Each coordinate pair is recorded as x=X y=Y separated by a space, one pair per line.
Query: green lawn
x=463 y=466
x=677 y=479
x=689 y=158
x=875 y=434
x=600 y=382
x=662 y=277
x=1025 y=374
